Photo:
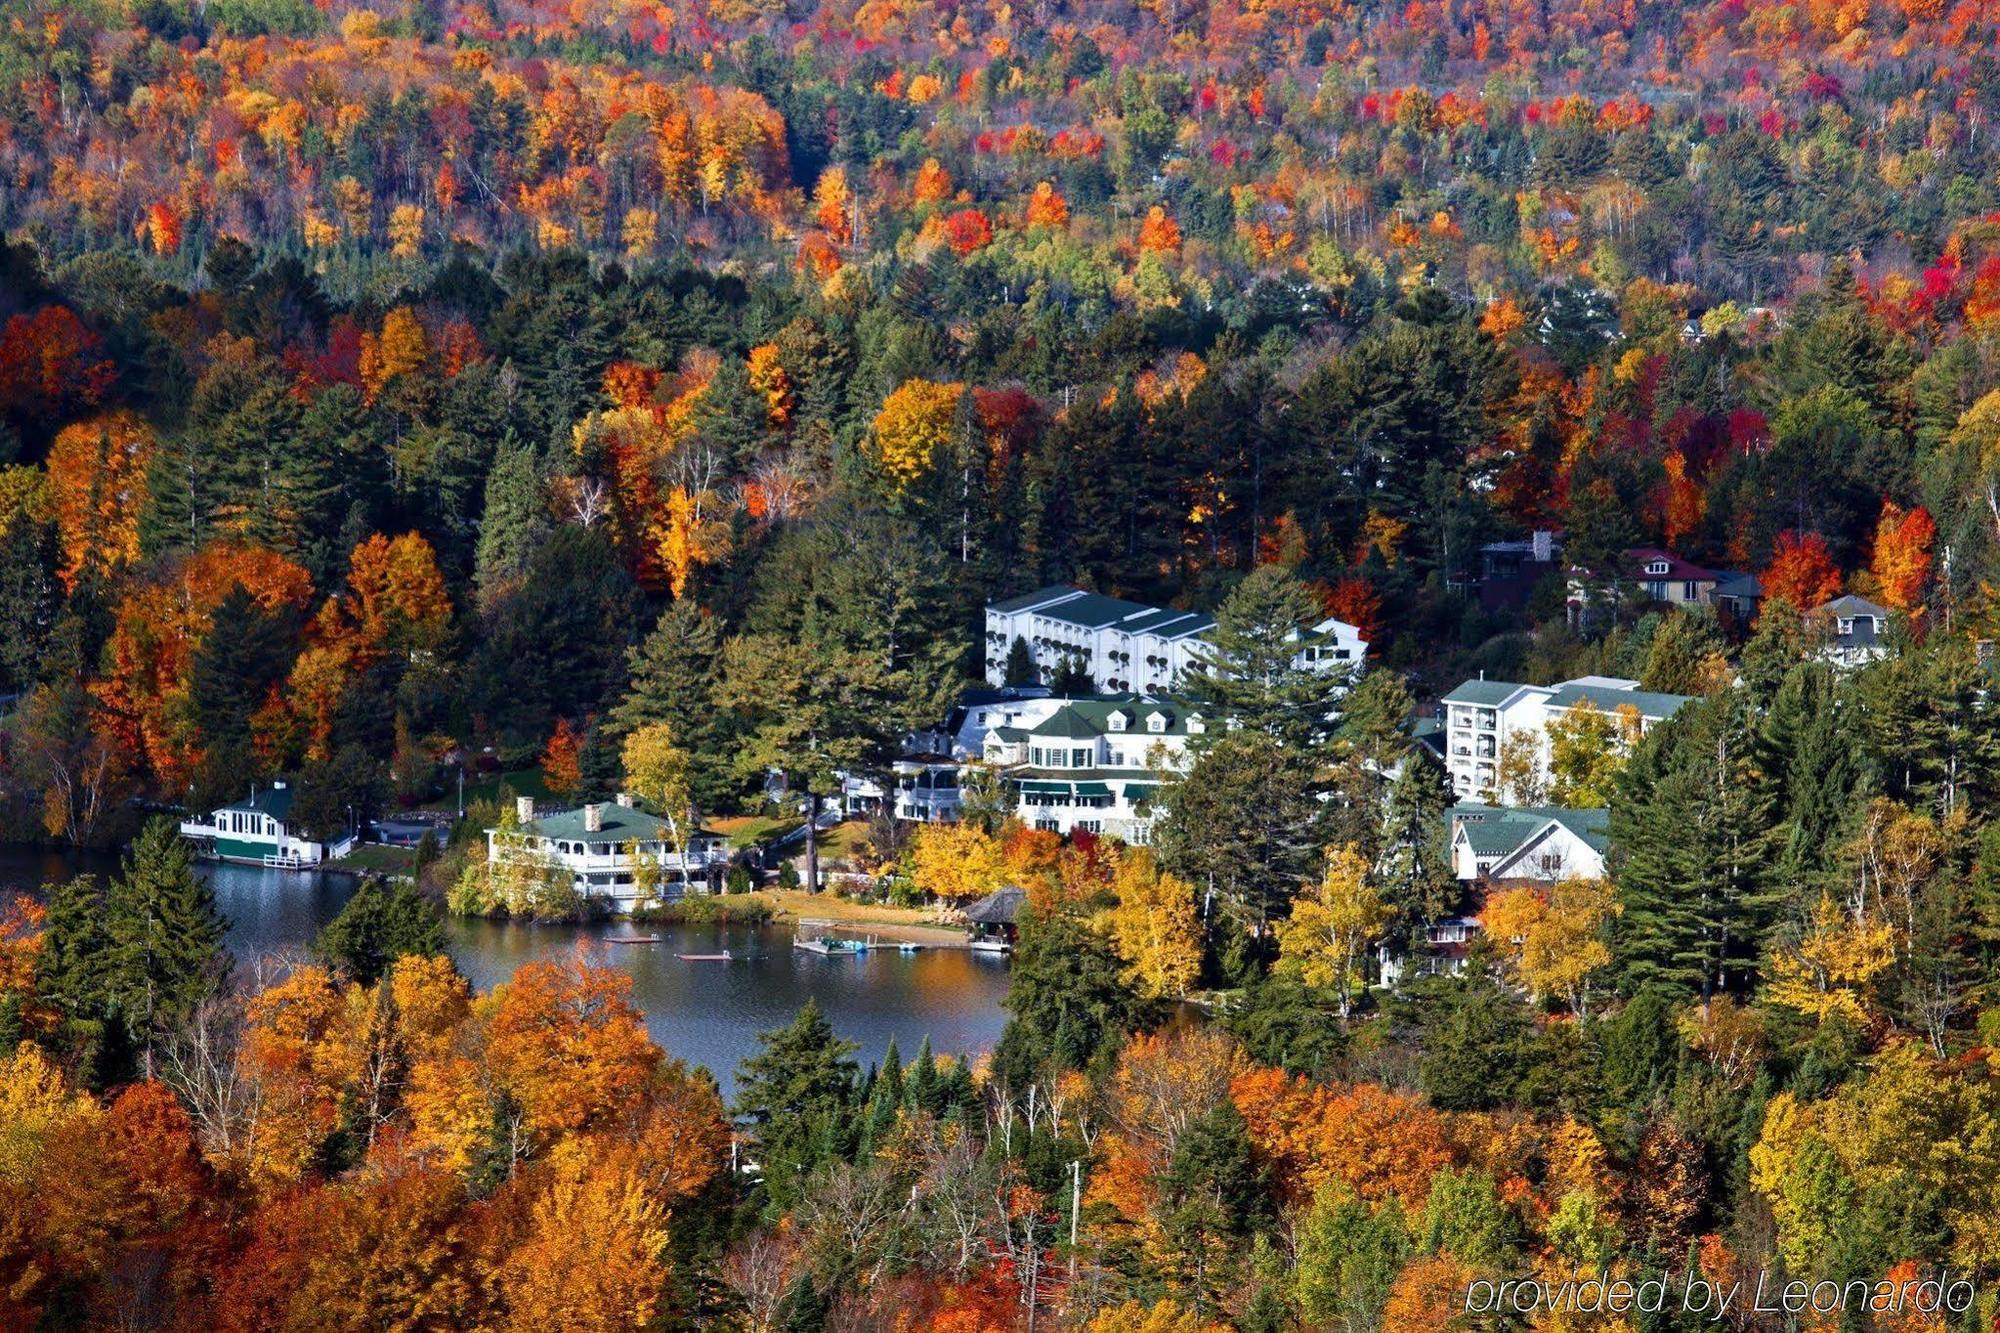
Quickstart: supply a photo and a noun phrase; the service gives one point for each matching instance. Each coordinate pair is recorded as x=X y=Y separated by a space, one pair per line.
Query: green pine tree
x=1252 y=675
x=381 y=923
x=796 y=1096
x=165 y=950
x=513 y=524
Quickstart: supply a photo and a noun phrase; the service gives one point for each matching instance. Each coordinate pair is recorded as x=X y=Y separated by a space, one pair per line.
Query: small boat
x=631 y=939
x=991 y=946
x=722 y=957
x=824 y=944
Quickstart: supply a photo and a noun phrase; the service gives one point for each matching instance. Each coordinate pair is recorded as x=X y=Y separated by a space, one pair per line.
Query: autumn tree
x=1153 y=927
x=1325 y=940
x=97 y=489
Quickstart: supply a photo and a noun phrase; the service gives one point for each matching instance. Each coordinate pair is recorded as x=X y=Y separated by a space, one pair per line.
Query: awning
x=1046 y=788
x=1140 y=791
x=1092 y=789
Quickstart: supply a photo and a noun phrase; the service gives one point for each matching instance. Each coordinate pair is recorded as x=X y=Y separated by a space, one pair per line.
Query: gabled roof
x=1653 y=706
x=1496 y=832
x=1067 y=723
x=273 y=801
x=1641 y=556
x=1850 y=605
x=1485 y=693
x=1002 y=907
x=1038 y=597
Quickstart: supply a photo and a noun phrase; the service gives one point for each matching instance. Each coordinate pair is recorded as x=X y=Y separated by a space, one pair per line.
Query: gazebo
x=992 y=918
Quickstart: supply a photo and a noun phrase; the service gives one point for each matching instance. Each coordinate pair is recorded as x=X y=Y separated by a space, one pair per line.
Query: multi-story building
x=1482 y=716
x=603 y=845
x=1095 y=764
x=1124 y=645
x=258 y=831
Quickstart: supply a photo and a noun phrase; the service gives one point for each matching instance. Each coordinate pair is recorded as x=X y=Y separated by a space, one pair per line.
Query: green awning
x=1092 y=789
x=1046 y=788
x=1140 y=791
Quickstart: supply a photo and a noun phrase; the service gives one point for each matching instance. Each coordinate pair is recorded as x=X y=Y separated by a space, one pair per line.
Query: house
x=1738 y=596
x=1095 y=764
x=1541 y=844
x=256 y=831
x=1482 y=716
x=1447 y=944
x=1856 y=629
x=1125 y=645
x=602 y=846
x=1653 y=574
x=1509 y=570
x=995 y=918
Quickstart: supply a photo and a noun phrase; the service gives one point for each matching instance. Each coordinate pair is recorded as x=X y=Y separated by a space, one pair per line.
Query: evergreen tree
x=673 y=676
x=1021 y=668
x=243 y=658
x=1252 y=675
x=513 y=524
x=1692 y=839
x=1811 y=756
x=1068 y=1006
x=164 y=937
x=30 y=599
x=1415 y=869
x=381 y=923
x=1242 y=821
x=796 y=1094
x=1212 y=1198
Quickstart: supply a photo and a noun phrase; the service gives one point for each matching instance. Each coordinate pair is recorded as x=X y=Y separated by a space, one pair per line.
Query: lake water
x=705 y=1013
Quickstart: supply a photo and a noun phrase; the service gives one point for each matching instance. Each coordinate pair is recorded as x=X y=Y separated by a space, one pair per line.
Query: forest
x=396 y=391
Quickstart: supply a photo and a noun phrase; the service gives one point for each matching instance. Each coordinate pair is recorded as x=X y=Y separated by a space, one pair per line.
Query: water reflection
x=707 y=1013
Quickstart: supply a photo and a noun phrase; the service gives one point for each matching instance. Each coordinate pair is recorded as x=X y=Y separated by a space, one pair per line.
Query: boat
x=631 y=939
x=827 y=945
x=991 y=946
x=722 y=957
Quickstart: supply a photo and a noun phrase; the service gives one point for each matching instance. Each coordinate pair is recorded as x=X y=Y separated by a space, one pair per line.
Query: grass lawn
x=377 y=857
x=749 y=830
x=845 y=839
x=490 y=787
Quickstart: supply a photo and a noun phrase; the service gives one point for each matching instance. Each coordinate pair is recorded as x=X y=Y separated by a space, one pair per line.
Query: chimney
x=625 y=799
x=1544 y=545
x=524 y=809
x=593 y=818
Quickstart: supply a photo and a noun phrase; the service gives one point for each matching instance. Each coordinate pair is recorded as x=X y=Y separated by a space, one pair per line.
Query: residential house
x=603 y=845
x=257 y=831
x=1447 y=943
x=1737 y=598
x=1541 y=844
x=1130 y=646
x=1095 y=764
x=1655 y=575
x=994 y=920
x=1509 y=570
x=1482 y=715
x=1856 y=630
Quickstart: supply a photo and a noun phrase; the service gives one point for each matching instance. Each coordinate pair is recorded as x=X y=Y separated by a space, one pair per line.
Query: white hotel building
x=1127 y=646
x=1481 y=715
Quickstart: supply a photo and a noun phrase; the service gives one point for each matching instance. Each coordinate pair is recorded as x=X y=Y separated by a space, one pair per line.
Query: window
x=1690 y=590
x=1079 y=759
x=1658 y=567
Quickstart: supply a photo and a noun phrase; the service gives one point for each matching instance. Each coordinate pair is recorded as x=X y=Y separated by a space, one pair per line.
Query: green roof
x=1484 y=693
x=273 y=801
x=1066 y=723
x=1651 y=705
x=1093 y=610
x=621 y=824
x=1035 y=598
x=1497 y=830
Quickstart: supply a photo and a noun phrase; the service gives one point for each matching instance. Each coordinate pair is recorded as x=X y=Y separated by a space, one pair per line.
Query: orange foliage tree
x=96 y=488
x=1902 y=558
x=160 y=624
x=561 y=759
x=1802 y=571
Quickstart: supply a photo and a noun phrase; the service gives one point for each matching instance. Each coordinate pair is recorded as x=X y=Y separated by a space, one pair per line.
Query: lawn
x=377 y=857
x=492 y=787
x=749 y=830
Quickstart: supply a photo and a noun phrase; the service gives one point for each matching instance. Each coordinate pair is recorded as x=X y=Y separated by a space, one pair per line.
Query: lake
x=707 y=1014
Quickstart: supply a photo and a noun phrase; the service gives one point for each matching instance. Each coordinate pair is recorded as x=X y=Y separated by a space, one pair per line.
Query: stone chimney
x=593 y=818
x=625 y=799
x=524 y=809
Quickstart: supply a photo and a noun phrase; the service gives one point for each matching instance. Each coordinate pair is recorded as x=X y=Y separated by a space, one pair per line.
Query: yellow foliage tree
x=96 y=488
x=658 y=769
x=1830 y=969
x=34 y=1102
x=916 y=421
x=594 y=1253
x=1154 y=927
x=1325 y=941
x=1551 y=936
x=957 y=862
x=1587 y=748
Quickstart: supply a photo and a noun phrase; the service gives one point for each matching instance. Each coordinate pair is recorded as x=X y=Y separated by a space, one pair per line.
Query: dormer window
x=1658 y=567
x=1116 y=722
x=1155 y=722
x=1195 y=725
